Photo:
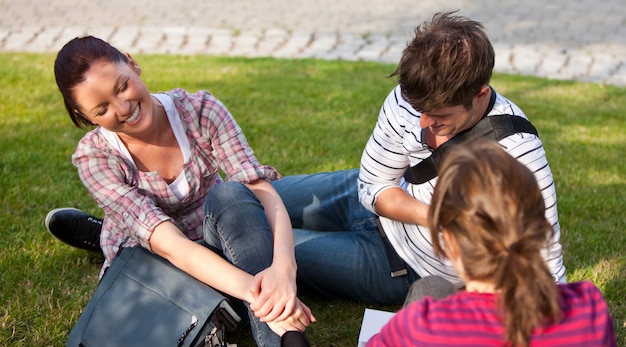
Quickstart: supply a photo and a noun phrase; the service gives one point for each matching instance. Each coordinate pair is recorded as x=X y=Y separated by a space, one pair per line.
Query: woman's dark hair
x=492 y=205
x=71 y=64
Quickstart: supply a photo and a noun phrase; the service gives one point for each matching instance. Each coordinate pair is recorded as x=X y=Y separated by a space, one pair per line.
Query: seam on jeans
x=361 y=226
x=224 y=246
x=257 y=328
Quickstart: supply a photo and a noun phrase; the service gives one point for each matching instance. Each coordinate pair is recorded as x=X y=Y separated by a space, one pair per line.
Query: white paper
x=373 y=321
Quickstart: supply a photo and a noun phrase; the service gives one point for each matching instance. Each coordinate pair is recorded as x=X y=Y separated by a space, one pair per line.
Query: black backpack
x=494 y=127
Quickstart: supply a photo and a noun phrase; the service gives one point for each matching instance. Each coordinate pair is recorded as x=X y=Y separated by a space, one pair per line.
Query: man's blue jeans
x=339 y=251
x=235 y=226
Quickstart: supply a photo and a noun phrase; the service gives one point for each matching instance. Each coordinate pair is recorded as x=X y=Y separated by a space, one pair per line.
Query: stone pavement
x=581 y=40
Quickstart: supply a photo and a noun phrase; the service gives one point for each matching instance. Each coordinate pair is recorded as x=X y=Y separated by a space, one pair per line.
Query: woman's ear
x=450 y=246
x=133 y=64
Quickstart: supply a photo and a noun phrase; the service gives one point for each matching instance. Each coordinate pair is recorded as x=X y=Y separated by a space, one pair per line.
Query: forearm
x=395 y=203
x=279 y=222
x=200 y=262
x=275 y=286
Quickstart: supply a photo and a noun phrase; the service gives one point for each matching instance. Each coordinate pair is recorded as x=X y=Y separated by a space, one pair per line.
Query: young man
x=360 y=234
x=443 y=89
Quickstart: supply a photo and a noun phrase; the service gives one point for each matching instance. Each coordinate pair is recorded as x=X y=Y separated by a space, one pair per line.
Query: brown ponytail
x=493 y=207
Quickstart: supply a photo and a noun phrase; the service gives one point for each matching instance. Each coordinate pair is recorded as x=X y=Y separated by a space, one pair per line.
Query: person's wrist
x=285 y=264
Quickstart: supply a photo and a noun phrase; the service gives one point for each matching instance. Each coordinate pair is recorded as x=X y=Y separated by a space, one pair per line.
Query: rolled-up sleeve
x=228 y=144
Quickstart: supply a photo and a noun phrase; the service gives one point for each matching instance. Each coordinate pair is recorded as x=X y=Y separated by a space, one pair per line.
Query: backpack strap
x=494 y=127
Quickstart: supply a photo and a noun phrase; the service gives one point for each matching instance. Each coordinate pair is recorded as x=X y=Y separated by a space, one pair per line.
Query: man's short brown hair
x=446 y=64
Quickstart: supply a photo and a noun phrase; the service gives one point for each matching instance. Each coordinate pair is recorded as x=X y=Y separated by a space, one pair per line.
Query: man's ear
x=133 y=64
x=483 y=92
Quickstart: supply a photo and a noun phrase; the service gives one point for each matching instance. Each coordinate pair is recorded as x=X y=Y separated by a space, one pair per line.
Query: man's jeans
x=339 y=251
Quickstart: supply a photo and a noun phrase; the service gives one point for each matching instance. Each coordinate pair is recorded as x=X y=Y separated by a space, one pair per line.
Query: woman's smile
x=134 y=117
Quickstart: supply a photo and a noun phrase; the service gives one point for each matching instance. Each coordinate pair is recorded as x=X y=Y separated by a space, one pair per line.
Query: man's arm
x=528 y=150
x=394 y=203
x=384 y=161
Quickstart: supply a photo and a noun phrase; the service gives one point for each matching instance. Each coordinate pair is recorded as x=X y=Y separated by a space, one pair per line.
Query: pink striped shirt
x=472 y=319
x=135 y=202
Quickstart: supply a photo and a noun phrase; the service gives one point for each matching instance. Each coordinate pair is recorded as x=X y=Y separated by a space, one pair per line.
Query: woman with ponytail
x=487 y=217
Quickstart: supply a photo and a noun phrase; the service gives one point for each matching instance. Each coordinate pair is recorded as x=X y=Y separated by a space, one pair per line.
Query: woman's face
x=113 y=96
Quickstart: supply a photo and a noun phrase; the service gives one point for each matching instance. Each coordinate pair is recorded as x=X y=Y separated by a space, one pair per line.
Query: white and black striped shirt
x=398 y=142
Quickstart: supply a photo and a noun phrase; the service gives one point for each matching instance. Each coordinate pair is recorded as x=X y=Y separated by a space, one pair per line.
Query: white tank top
x=179 y=186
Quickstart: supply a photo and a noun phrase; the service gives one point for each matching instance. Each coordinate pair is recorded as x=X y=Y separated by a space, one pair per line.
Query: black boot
x=75 y=227
x=294 y=339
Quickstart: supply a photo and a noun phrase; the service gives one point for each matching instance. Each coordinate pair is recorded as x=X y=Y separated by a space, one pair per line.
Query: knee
x=226 y=194
x=353 y=174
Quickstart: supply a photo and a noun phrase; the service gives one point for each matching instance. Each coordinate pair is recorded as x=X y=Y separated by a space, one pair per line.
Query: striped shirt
x=398 y=142
x=135 y=202
x=472 y=319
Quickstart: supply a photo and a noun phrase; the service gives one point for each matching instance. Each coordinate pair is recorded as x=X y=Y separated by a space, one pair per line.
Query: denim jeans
x=339 y=251
x=235 y=226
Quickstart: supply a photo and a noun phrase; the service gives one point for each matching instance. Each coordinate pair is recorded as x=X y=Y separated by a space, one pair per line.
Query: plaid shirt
x=135 y=202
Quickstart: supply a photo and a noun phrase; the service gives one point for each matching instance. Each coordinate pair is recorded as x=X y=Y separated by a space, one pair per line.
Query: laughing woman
x=152 y=162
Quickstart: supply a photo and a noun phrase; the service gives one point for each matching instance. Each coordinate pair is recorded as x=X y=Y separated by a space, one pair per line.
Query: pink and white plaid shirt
x=135 y=202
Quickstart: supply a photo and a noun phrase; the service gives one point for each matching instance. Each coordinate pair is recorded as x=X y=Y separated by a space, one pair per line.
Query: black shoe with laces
x=75 y=227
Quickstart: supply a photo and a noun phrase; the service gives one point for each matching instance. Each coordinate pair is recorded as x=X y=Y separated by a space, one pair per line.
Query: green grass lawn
x=301 y=116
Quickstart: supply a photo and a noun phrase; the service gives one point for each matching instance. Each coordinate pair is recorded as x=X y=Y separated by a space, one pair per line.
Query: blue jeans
x=339 y=252
x=235 y=226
